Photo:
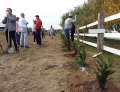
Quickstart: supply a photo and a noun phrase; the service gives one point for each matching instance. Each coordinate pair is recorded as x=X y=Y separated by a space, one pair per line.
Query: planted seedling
x=81 y=58
x=104 y=70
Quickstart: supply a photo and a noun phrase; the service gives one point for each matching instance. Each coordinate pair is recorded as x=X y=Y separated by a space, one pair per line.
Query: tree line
x=88 y=12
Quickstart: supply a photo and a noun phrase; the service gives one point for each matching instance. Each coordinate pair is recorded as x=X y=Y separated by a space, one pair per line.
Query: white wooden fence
x=107 y=19
x=115 y=36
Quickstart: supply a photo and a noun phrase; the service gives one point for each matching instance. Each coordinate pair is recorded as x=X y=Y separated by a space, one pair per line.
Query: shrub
x=75 y=46
x=81 y=58
x=104 y=65
x=62 y=37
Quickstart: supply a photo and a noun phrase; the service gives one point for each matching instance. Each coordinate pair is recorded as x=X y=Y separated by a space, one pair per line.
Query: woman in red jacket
x=38 y=25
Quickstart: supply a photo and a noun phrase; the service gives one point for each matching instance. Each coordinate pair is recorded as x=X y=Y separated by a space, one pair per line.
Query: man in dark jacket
x=10 y=21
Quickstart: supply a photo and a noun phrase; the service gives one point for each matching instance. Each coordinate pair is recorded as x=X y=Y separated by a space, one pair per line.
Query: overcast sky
x=50 y=11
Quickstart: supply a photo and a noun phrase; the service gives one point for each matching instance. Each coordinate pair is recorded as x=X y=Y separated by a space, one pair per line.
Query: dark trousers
x=34 y=37
x=38 y=37
x=12 y=38
x=6 y=35
x=72 y=36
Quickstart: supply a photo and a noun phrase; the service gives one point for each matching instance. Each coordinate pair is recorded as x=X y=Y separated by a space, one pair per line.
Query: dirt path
x=35 y=69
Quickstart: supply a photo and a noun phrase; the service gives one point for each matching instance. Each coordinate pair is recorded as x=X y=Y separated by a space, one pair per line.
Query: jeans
x=17 y=38
x=24 y=39
x=38 y=37
x=67 y=34
x=67 y=38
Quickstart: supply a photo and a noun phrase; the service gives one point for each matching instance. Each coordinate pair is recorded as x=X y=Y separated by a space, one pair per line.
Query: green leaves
x=88 y=12
x=81 y=59
x=104 y=70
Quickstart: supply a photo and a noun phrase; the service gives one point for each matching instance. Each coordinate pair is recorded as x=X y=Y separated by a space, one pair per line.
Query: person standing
x=10 y=21
x=24 y=31
x=18 y=32
x=38 y=25
x=33 y=32
x=67 y=29
x=51 y=31
x=43 y=32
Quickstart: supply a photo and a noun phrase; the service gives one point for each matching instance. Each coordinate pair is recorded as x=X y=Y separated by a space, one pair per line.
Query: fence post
x=100 y=38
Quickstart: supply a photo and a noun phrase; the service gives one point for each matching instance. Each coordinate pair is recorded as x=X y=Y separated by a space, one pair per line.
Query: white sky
x=50 y=11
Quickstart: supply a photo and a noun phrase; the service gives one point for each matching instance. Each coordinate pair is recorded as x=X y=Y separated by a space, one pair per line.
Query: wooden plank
x=114 y=36
x=106 y=48
x=100 y=38
x=107 y=19
x=96 y=31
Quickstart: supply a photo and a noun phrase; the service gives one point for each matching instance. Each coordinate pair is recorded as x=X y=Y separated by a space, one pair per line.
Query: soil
x=35 y=69
x=46 y=69
x=78 y=83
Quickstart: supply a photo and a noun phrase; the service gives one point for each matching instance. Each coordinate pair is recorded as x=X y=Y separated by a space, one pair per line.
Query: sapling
x=81 y=58
x=104 y=70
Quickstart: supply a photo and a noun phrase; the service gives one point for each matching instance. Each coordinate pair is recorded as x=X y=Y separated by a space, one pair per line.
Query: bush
x=62 y=37
x=104 y=65
x=81 y=58
x=75 y=46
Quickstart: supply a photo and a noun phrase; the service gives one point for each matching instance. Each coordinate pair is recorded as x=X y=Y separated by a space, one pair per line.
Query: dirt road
x=35 y=69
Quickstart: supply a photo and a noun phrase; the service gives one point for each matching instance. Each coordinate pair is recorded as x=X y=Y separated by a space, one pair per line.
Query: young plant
x=75 y=46
x=104 y=65
x=81 y=59
x=62 y=37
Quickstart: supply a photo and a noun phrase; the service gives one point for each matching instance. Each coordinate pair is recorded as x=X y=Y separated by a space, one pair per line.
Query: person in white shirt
x=51 y=31
x=33 y=32
x=24 y=31
x=67 y=28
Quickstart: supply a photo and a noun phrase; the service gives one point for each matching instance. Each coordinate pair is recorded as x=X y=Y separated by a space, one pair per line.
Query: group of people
x=16 y=30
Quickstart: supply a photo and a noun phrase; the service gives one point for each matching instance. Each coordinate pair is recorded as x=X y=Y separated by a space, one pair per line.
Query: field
x=49 y=69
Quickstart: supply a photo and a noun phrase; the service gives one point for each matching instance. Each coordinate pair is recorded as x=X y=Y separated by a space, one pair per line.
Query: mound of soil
x=77 y=85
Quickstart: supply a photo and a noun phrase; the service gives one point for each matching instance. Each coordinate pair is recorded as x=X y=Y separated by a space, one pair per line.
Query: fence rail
x=106 y=48
x=107 y=19
x=115 y=36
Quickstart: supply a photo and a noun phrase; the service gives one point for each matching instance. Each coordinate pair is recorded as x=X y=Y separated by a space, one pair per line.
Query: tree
x=88 y=12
